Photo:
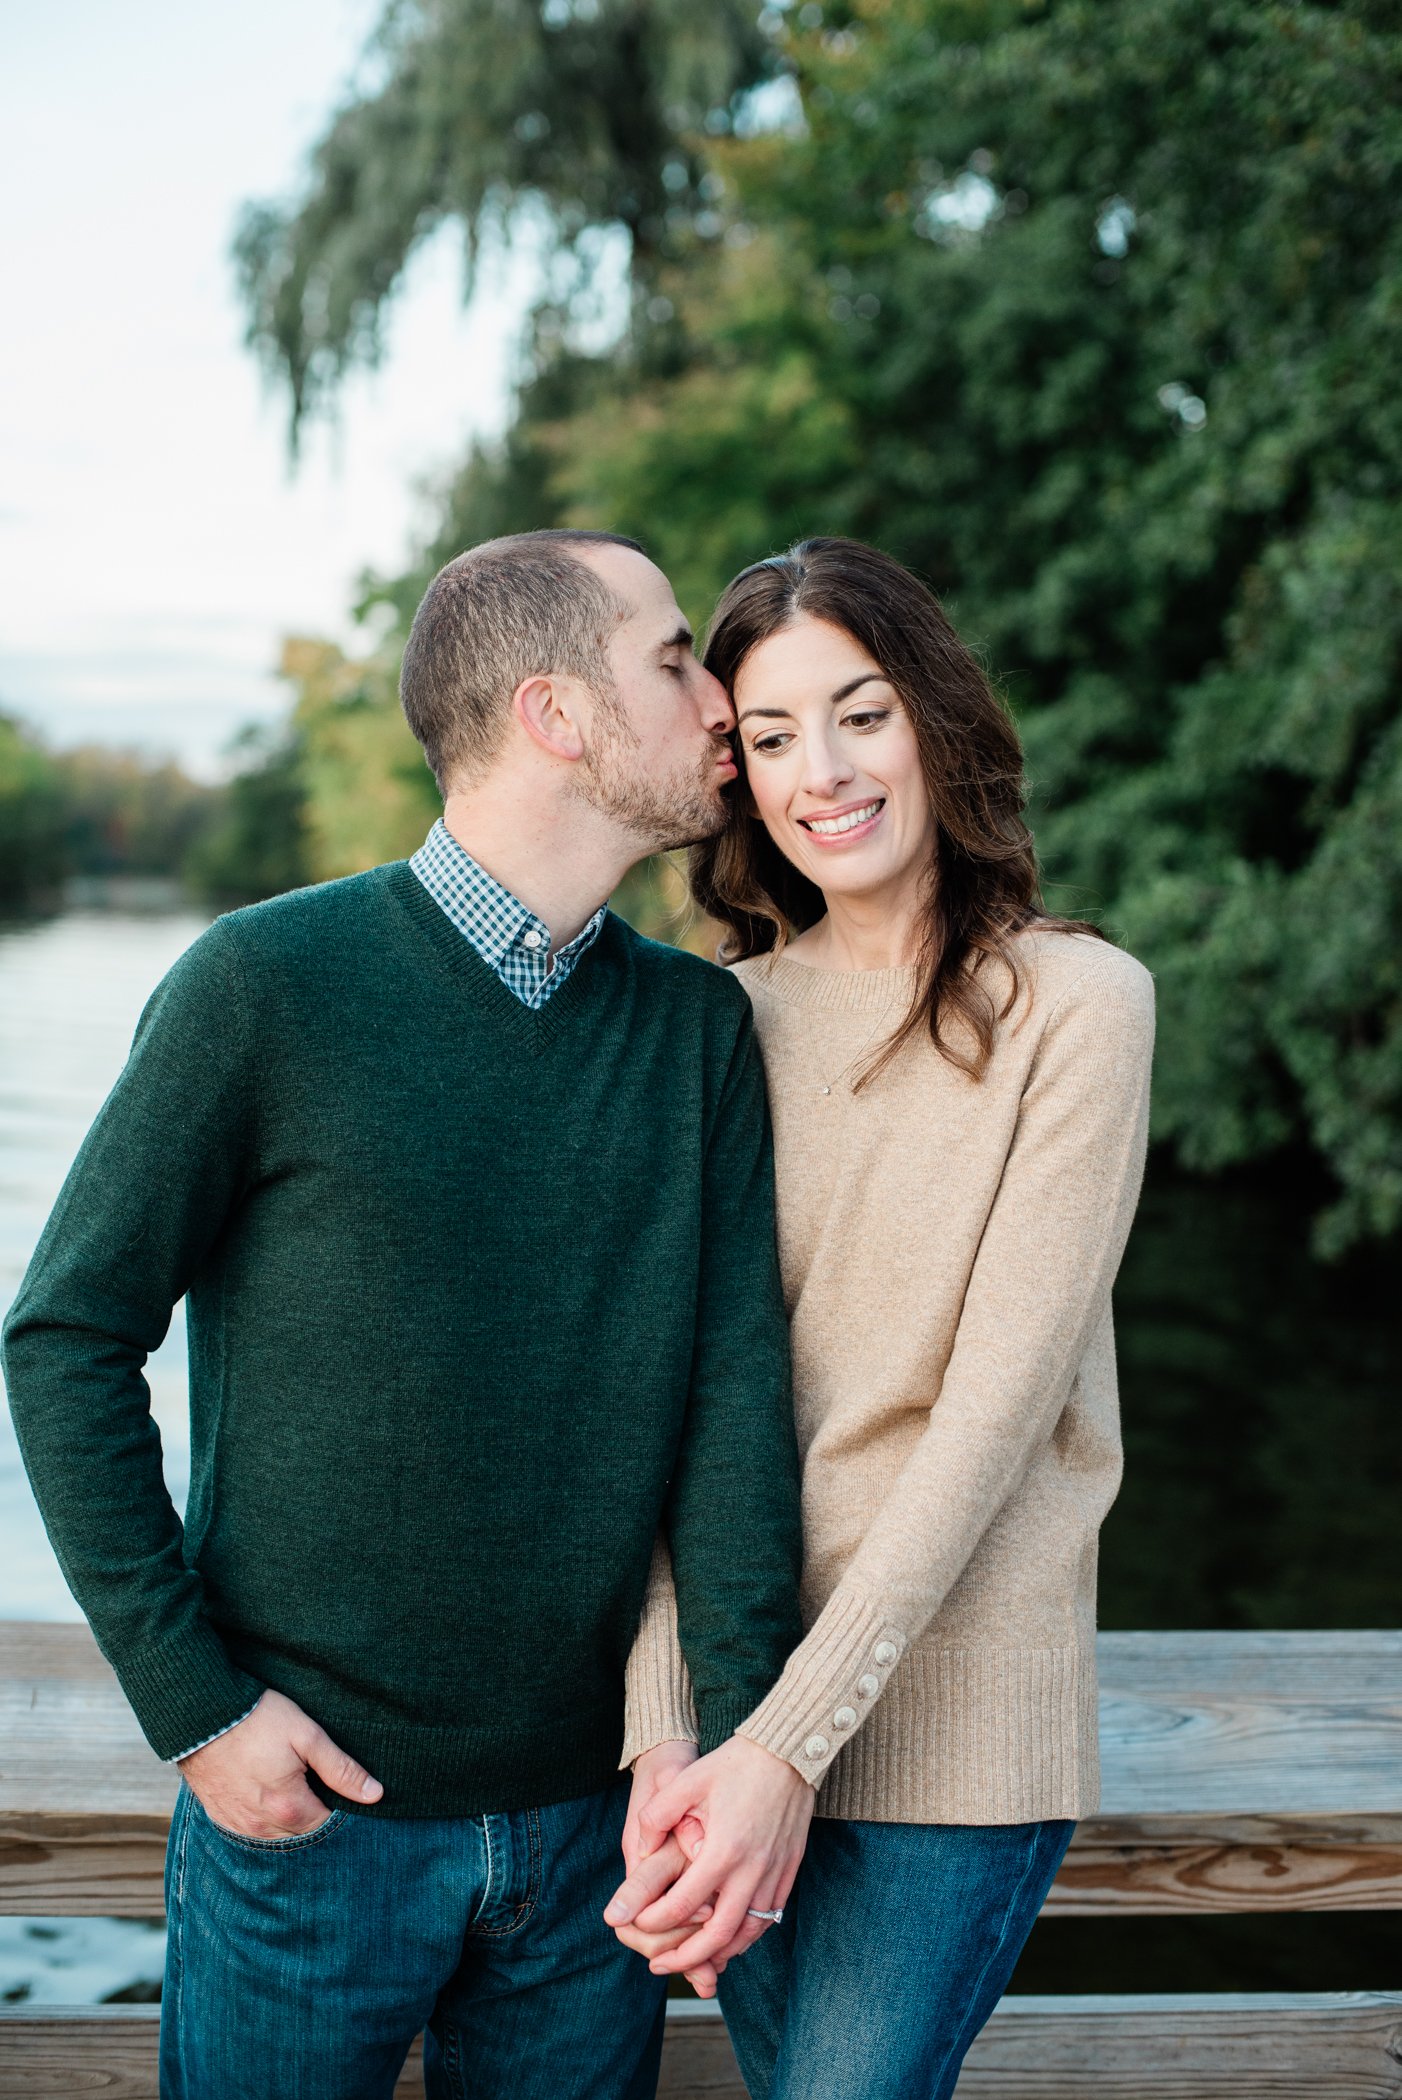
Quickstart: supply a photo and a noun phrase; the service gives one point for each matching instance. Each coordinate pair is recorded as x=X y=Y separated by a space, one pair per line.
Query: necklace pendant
x=825 y=1090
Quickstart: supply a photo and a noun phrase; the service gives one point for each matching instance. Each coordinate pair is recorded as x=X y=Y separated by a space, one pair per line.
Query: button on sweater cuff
x=829 y=1685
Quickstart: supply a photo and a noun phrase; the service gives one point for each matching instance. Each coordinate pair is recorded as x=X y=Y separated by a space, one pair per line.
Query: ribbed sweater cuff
x=658 y=1706
x=830 y=1684
x=186 y=1690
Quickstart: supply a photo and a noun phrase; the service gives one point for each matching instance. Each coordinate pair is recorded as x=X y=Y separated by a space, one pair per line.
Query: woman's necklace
x=825 y=1086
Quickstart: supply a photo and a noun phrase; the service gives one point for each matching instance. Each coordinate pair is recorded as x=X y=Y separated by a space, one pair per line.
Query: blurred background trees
x=91 y=812
x=1084 y=312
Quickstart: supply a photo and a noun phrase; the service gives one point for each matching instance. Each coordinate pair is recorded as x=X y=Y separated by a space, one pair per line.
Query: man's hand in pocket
x=253 y=1778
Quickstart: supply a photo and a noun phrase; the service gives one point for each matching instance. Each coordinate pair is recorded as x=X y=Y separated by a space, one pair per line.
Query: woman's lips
x=843 y=827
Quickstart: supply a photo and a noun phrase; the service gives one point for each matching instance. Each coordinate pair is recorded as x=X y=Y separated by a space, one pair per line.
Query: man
x=469 y=1190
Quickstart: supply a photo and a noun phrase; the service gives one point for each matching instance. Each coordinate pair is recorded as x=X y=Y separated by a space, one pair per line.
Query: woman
x=959 y=1086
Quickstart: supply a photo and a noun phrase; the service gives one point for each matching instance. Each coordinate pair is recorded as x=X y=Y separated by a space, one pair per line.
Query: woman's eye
x=867 y=718
x=775 y=741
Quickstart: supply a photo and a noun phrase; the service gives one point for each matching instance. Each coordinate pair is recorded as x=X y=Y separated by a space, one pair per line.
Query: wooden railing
x=1242 y=1772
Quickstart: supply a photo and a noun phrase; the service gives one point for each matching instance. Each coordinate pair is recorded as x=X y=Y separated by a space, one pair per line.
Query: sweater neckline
x=534 y=1025
x=833 y=991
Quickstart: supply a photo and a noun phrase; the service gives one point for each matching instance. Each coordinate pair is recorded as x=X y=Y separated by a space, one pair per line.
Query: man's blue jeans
x=896 y=1945
x=302 y=1968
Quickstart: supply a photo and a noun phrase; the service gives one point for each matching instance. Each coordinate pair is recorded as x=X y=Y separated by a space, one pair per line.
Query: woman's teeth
x=828 y=825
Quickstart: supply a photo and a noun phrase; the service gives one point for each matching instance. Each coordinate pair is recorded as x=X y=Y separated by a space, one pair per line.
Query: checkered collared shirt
x=510 y=940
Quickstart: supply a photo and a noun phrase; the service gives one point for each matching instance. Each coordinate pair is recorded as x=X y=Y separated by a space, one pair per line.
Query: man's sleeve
x=148 y=1195
x=733 y=1513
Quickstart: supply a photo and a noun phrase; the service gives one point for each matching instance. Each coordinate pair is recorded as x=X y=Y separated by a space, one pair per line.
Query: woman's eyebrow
x=844 y=692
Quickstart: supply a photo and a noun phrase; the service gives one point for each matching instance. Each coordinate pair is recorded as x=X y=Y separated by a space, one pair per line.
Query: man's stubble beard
x=661 y=815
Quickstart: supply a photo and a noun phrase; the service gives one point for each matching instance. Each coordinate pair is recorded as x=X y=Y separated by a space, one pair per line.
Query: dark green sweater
x=478 y=1297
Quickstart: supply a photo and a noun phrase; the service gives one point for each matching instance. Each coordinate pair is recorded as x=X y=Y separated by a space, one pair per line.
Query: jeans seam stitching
x=178 y=1963
x=527 y=1906
x=994 y=1952
x=300 y=1841
x=487 y=1877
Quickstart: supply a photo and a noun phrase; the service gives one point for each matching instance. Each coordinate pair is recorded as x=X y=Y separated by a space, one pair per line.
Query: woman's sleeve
x=1040 y=1283
x=657 y=1702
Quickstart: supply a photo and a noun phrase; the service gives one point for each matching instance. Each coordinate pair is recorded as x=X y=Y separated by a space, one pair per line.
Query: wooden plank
x=1335 y=2046
x=1242 y=1772
x=1161 y=1865
x=1346 y=2046
x=1250 y=1723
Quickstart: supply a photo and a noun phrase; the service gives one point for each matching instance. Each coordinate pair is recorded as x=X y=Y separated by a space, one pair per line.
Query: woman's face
x=832 y=762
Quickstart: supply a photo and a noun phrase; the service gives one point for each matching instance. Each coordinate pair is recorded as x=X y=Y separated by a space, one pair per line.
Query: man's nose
x=716 y=711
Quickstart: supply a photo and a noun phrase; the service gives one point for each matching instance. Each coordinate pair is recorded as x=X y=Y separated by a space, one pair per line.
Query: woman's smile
x=844 y=826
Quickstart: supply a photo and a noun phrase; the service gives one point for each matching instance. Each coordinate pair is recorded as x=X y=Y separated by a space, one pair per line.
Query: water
x=71 y=990
x=1262 y=1431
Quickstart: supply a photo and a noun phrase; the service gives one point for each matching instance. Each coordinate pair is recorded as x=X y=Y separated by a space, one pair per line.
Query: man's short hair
x=510 y=609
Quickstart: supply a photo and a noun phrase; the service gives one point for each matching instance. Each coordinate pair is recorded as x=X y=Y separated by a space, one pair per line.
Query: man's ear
x=550 y=709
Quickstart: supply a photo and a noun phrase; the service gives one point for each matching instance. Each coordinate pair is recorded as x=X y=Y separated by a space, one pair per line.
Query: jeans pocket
x=299 y=1841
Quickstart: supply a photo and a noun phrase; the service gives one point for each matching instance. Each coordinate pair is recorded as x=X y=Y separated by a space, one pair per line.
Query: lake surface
x=71 y=991
x=1262 y=1428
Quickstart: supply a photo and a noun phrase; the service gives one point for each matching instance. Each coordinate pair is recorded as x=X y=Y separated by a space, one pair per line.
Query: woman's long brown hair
x=984 y=885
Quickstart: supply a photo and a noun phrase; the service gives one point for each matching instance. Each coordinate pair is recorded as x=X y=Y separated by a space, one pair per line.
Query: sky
x=155 y=545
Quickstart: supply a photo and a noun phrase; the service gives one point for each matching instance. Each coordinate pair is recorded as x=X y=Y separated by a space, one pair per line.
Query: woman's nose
x=825 y=773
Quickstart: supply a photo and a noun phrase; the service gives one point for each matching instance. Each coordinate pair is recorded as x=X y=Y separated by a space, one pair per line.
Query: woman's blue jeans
x=302 y=1969
x=895 y=1947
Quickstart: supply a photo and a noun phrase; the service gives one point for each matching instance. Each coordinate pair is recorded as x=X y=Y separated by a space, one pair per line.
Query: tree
x=33 y=858
x=586 y=113
x=1087 y=313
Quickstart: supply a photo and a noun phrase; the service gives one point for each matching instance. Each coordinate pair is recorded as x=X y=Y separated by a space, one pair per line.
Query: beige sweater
x=948 y=1249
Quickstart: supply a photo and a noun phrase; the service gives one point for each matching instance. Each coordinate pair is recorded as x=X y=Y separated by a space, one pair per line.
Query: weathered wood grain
x=1163 y=1864
x=1242 y=1772
x=1335 y=2046
x=1343 y=2046
x=1250 y=1723
x=1328 y=2047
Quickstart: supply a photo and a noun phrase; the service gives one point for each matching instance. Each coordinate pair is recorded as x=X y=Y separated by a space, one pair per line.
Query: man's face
x=658 y=760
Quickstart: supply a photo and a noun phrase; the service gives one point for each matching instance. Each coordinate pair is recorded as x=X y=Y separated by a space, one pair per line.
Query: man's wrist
x=227 y=1729
x=678 y=1750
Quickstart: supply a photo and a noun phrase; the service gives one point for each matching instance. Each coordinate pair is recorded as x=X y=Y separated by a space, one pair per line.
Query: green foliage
x=368 y=794
x=91 y=812
x=32 y=845
x=125 y=816
x=587 y=111
x=339 y=787
x=1088 y=313
x=257 y=845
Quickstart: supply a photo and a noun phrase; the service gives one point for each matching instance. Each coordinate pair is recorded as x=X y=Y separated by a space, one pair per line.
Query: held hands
x=740 y=1816
x=253 y=1778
